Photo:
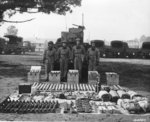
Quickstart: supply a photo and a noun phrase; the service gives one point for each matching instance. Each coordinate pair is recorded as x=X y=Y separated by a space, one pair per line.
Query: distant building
x=39 y=47
x=133 y=44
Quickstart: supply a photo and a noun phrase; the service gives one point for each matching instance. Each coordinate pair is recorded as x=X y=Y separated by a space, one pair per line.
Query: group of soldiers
x=76 y=55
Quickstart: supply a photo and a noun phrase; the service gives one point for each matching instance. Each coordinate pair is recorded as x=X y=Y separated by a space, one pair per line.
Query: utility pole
x=82 y=19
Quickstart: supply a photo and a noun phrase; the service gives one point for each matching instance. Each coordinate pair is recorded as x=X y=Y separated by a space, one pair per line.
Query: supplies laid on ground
x=105 y=107
x=60 y=87
x=73 y=77
x=34 y=75
x=114 y=95
x=35 y=69
x=67 y=107
x=24 y=88
x=134 y=106
x=14 y=97
x=72 y=98
x=93 y=77
x=112 y=78
x=54 y=77
x=143 y=102
x=106 y=88
x=130 y=105
x=28 y=107
x=132 y=94
x=83 y=105
x=104 y=95
x=122 y=94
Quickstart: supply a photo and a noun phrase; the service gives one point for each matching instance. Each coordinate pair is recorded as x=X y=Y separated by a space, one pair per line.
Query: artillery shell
x=44 y=87
x=41 y=85
x=47 y=86
x=50 y=87
x=78 y=88
x=65 y=87
x=93 y=88
x=74 y=87
x=57 y=85
x=81 y=88
x=84 y=88
x=71 y=86
x=90 y=88
x=34 y=84
x=38 y=85
x=68 y=86
x=59 y=88
x=54 y=86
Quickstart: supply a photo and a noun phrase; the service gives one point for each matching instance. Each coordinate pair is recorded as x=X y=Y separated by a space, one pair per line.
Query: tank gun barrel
x=79 y=26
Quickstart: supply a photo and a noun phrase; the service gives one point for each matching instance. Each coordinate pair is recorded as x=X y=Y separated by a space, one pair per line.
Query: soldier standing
x=93 y=57
x=64 y=56
x=78 y=57
x=49 y=58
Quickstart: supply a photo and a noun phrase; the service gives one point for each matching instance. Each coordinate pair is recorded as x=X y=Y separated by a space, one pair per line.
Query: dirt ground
x=134 y=74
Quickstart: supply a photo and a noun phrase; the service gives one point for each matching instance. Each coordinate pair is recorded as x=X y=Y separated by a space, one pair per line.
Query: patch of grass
x=11 y=70
x=131 y=75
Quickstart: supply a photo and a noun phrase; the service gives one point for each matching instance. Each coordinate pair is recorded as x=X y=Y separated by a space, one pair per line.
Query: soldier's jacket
x=50 y=55
x=78 y=52
x=93 y=55
x=64 y=53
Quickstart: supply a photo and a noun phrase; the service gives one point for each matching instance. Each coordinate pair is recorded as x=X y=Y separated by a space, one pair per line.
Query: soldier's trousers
x=78 y=66
x=48 y=68
x=63 y=69
x=92 y=65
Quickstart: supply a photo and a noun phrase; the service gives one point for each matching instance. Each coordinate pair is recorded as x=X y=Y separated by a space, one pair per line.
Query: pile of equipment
x=73 y=97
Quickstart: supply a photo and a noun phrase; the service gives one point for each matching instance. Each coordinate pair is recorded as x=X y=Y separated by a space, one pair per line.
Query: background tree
x=10 y=7
x=12 y=30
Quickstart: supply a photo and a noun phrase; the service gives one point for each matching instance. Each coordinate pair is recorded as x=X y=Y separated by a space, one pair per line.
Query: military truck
x=2 y=45
x=132 y=53
x=14 y=45
x=118 y=49
x=145 y=50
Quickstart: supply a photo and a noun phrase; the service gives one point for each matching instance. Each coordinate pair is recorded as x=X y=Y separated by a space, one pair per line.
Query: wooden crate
x=35 y=69
x=73 y=77
x=34 y=76
x=112 y=78
x=93 y=77
x=54 y=77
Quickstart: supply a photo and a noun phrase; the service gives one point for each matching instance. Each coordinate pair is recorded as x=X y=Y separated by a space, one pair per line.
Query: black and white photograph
x=75 y=60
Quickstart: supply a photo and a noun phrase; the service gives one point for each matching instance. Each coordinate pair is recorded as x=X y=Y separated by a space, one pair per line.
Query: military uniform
x=49 y=58
x=78 y=57
x=64 y=56
x=93 y=58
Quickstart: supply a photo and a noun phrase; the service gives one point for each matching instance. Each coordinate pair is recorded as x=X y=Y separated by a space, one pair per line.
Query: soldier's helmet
x=78 y=39
x=64 y=41
x=92 y=42
x=50 y=42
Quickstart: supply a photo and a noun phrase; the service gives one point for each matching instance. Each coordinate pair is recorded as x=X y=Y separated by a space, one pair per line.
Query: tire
x=18 y=51
x=1 y=50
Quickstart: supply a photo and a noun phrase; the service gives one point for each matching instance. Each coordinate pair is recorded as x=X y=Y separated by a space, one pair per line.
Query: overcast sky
x=104 y=19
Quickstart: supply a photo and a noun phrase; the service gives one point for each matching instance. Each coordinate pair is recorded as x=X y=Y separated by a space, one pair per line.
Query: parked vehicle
x=14 y=45
x=145 y=50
